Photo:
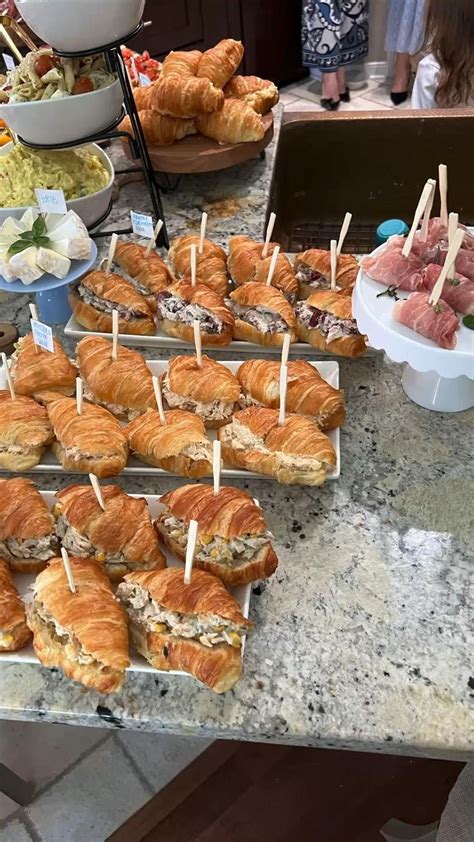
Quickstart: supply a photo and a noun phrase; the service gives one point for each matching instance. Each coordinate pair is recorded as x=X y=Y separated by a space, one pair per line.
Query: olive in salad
x=42 y=75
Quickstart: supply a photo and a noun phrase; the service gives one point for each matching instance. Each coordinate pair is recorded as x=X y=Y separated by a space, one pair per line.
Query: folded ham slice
x=390 y=267
x=458 y=292
x=438 y=234
x=438 y=323
x=464 y=262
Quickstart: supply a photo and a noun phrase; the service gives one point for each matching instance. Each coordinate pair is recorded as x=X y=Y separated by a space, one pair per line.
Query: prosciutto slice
x=458 y=293
x=438 y=323
x=464 y=262
x=392 y=268
x=438 y=235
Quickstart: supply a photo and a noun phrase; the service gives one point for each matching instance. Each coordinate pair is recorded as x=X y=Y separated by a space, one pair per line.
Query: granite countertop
x=364 y=635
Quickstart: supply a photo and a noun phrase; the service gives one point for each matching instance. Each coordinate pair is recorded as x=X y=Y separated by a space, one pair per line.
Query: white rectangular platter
x=329 y=370
x=25 y=581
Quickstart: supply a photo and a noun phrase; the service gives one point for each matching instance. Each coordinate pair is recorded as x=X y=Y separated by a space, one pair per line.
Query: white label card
x=42 y=335
x=142 y=225
x=51 y=201
x=145 y=82
x=9 y=62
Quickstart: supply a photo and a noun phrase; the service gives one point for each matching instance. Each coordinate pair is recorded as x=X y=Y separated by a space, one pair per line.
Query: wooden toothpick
x=443 y=193
x=67 y=567
x=198 y=342
x=158 y=227
x=159 y=399
x=333 y=250
x=203 y=232
x=190 y=550
x=343 y=232
x=425 y=195
x=216 y=465
x=110 y=258
x=115 y=330
x=97 y=491
x=7 y=375
x=193 y=264
x=285 y=349
x=283 y=387
x=79 y=395
x=449 y=262
x=273 y=263
x=453 y=222
x=427 y=213
x=268 y=235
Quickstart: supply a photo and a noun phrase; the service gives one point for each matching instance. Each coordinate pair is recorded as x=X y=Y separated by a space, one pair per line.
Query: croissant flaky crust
x=220 y=62
x=260 y=94
x=147 y=273
x=352 y=345
x=283 y=277
x=179 y=446
x=307 y=392
x=211 y=264
x=92 y=618
x=208 y=382
x=135 y=315
x=24 y=517
x=230 y=513
x=14 y=633
x=296 y=452
x=234 y=122
x=185 y=97
x=319 y=261
x=124 y=386
x=35 y=370
x=123 y=529
x=93 y=442
x=25 y=431
x=205 y=297
x=159 y=129
x=245 y=256
x=181 y=63
x=254 y=295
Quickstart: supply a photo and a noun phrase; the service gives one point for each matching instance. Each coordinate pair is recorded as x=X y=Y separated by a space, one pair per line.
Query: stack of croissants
x=199 y=93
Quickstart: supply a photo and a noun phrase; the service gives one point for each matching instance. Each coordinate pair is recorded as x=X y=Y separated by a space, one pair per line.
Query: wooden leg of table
x=15 y=787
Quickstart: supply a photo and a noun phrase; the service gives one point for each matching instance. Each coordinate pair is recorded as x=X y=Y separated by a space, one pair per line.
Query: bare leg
x=341 y=80
x=402 y=72
x=330 y=87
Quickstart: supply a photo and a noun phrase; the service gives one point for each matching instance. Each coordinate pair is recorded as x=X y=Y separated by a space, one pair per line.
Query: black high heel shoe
x=398 y=97
x=330 y=104
x=345 y=97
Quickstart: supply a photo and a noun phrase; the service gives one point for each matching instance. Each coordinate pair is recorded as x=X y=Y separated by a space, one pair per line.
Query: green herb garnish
x=454 y=282
x=391 y=291
x=438 y=308
x=468 y=321
x=36 y=237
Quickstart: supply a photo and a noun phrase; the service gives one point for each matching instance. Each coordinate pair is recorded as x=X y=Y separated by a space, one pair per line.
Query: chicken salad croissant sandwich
x=325 y=321
x=297 y=452
x=120 y=536
x=179 y=446
x=233 y=540
x=84 y=633
x=148 y=274
x=262 y=314
x=211 y=263
x=197 y=628
x=25 y=431
x=14 y=633
x=90 y=442
x=96 y=295
x=246 y=264
x=209 y=390
x=307 y=392
x=35 y=370
x=181 y=304
x=123 y=386
x=27 y=535
x=313 y=271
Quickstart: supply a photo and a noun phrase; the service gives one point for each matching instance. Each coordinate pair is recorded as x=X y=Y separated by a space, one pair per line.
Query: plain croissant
x=220 y=63
x=185 y=97
x=260 y=94
x=236 y=122
x=159 y=129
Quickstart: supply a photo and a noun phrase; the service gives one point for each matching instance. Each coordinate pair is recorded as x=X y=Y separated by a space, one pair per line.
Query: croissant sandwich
x=92 y=442
x=84 y=633
x=233 y=540
x=234 y=122
x=295 y=453
x=211 y=264
x=283 y=277
x=93 y=298
x=25 y=431
x=159 y=129
x=246 y=264
x=147 y=274
x=307 y=392
x=35 y=370
x=14 y=633
x=220 y=62
x=313 y=271
x=197 y=628
x=180 y=304
x=123 y=386
x=209 y=391
x=325 y=321
x=260 y=94
x=262 y=314
x=121 y=536
x=185 y=97
x=179 y=446
x=27 y=536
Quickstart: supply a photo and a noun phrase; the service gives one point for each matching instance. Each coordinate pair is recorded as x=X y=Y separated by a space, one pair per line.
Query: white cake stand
x=434 y=378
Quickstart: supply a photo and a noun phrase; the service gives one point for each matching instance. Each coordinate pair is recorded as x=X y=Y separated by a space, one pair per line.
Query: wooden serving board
x=197 y=153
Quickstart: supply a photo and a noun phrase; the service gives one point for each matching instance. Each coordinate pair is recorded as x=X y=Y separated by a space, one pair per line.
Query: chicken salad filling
x=306 y=275
x=72 y=647
x=232 y=552
x=239 y=437
x=81 y=545
x=16 y=448
x=209 y=629
x=330 y=326
x=42 y=548
x=264 y=320
x=198 y=451
x=216 y=410
x=106 y=306
x=114 y=408
x=177 y=309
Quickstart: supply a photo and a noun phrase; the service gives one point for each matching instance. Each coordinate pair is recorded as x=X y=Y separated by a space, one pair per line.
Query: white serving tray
x=170 y=343
x=329 y=370
x=24 y=582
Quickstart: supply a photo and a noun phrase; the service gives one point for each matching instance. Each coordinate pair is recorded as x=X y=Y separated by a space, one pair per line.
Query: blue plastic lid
x=389 y=228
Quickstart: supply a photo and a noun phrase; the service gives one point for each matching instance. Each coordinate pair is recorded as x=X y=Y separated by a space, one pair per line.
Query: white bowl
x=66 y=119
x=74 y=25
x=89 y=208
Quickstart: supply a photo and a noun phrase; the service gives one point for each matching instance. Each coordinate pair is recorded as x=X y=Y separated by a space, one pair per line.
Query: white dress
x=426 y=85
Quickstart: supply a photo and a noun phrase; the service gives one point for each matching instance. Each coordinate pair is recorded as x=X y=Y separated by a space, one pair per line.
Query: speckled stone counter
x=364 y=636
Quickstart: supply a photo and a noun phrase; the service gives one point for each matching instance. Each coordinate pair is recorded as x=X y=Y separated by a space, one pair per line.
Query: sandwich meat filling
x=330 y=326
x=306 y=275
x=265 y=321
x=176 y=309
x=114 y=408
x=42 y=548
x=239 y=437
x=80 y=545
x=232 y=553
x=65 y=638
x=211 y=411
x=208 y=629
x=106 y=306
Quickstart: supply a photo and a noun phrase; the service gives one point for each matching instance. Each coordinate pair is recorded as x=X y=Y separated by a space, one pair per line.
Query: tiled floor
x=88 y=781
